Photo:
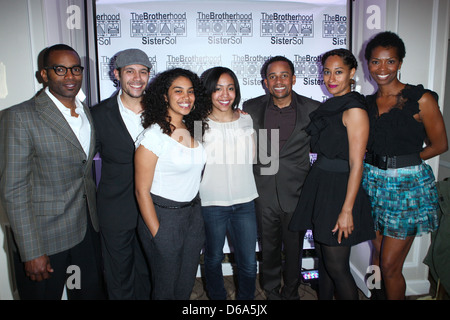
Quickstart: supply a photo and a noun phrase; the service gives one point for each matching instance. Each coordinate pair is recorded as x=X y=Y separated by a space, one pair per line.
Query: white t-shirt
x=178 y=169
x=228 y=177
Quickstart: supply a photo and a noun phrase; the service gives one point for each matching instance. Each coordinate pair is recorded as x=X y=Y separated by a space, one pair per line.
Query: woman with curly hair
x=169 y=161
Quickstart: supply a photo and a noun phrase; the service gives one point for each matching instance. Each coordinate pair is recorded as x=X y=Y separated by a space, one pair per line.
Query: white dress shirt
x=79 y=125
x=132 y=120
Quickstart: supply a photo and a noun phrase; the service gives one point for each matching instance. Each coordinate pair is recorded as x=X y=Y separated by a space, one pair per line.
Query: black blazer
x=282 y=186
x=116 y=202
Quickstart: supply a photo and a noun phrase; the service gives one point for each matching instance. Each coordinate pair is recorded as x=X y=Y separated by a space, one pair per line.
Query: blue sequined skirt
x=404 y=201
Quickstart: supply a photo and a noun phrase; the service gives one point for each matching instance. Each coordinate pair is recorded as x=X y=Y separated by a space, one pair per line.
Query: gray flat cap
x=132 y=56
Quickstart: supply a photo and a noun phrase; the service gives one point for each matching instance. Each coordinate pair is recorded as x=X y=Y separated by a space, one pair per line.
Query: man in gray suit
x=279 y=119
x=47 y=146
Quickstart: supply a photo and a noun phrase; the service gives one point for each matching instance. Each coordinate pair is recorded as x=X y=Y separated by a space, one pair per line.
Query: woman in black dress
x=333 y=203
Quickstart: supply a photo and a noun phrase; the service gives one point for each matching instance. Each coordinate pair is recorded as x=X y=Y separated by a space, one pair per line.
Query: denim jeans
x=240 y=222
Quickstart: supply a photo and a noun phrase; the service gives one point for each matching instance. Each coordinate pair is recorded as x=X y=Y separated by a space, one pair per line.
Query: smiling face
x=224 y=94
x=384 y=64
x=279 y=81
x=64 y=88
x=337 y=75
x=133 y=79
x=180 y=97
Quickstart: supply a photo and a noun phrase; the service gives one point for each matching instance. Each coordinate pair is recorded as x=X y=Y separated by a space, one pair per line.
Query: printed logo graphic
x=197 y=64
x=307 y=65
x=108 y=25
x=248 y=68
x=158 y=25
x=309 y=68
x=334 y=26
x=287 y=25
x=224 y=24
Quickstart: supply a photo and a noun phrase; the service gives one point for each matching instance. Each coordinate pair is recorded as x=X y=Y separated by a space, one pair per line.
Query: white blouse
x=228 y=177
x=178 y=169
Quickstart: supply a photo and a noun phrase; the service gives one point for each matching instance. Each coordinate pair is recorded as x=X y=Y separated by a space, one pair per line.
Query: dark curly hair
x=386 y=39
x=155 y=105
x=346 y=55
x=210 y=78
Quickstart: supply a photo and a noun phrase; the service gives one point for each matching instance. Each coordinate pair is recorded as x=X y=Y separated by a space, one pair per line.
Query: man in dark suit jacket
x=118 y=123
x=47 y=145
x=279 y=119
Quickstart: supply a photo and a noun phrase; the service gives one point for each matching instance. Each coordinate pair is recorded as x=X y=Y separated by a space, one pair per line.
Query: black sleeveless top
x=328 y=133
x=396 y=132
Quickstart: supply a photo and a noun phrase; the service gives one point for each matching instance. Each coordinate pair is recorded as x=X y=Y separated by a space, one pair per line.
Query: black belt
x=335 y=165
x=181 y=206
x=393 y=162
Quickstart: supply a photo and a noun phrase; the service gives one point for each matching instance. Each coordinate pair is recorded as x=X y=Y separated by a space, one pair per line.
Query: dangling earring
x=193 y=108
x=399 y=74
x=352 y=84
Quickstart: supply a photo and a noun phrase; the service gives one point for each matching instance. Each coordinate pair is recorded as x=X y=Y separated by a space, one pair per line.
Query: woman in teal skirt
x=400 y=185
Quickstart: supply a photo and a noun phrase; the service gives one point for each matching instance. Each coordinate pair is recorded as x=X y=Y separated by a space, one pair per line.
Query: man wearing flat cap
x=118 y=123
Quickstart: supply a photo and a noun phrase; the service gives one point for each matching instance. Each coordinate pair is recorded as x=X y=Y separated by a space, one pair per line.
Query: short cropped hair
x=56 y=47
x=386 y=39
x=275 y=59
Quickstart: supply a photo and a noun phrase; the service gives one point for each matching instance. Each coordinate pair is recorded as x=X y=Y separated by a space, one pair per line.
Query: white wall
x=18 y=63
x=426 y=24
x=444 y=160
x=18 y=54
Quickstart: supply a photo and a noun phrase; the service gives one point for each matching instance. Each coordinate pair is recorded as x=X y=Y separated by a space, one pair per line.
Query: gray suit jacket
x=46 y=182
x=282 y=186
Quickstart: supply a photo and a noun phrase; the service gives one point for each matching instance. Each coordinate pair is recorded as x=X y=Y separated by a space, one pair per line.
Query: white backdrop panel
x=240 y=35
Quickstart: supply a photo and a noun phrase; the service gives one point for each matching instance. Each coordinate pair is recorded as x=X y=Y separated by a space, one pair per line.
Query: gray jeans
x=174 y=253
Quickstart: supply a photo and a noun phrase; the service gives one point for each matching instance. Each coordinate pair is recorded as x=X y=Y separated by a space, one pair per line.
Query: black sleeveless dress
x=325 y=187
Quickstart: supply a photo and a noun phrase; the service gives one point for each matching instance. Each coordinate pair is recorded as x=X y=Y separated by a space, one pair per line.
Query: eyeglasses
x=62 y=71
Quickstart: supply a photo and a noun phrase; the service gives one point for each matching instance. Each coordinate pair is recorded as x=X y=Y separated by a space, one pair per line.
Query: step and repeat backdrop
x=240 y=35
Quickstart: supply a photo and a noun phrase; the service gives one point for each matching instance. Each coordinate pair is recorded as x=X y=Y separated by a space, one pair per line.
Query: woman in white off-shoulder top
x=169 y=161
